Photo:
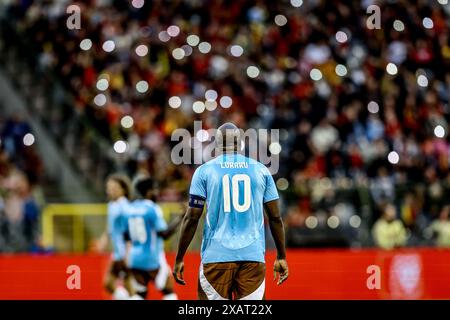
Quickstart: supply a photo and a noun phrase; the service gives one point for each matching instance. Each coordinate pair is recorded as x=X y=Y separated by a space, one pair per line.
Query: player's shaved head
x=228 y=137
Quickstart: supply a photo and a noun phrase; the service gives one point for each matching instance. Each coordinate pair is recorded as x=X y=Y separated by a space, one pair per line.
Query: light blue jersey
x=235 y=188
x=117 y=227
x=160 y=214
x=144 y=223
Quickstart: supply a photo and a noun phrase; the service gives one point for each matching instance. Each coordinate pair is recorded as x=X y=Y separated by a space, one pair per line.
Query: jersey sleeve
x=124 y=222
x=271 y=192
x=160 y=222
x=157 y=219
x=113 y=213
x=198 y=184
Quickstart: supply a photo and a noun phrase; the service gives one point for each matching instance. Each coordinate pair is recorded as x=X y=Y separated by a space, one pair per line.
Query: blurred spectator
x=20 y=170
x=389 y=232
x=382 y=187
x=439 y=229
x=12 y=134
x=21 y=215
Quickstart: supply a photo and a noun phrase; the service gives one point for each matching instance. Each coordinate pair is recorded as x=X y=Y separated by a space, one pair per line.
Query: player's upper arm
x=270 y=192
x=197 y=195
x=198 y=183
x=112 y=211
x=126 y=235
x=272 y=209
x=124 y=227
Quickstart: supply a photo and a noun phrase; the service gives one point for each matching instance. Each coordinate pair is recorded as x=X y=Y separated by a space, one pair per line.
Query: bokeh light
x=439 y=131
x=311 y=222
x=393 y=157
x=355 y=221
x=193 y=40
x=391 y=68
x=127 y=122
x=137 y=3
x=296 y=3
x=341 y=70
x=341 y=37
x=252 y=71
x=85 y=44
x=175 y=102
x=211 y=105
x=422 y=80
x=427 y=23
x=236 y=50
x=102 y=84
x=163 y=36
x=28 y=139
x=202 y=135
x=398 y=26
x=226 y=102
x=120 y=146
x=275 y=148
x=211 y=95
x=142 y=50
x=142 y=86
x=187 y=50
x=204 y=47
x=173 y=31
x=100 y=100
x=108 y=46
x=373 y=107
x=198 y=107
x=280 y=20
x=315 y=74
x=178 y=53
x=282 y=184
x=333 y=222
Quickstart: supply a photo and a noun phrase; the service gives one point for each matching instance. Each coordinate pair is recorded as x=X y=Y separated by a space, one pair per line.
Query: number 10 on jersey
x=232 y=197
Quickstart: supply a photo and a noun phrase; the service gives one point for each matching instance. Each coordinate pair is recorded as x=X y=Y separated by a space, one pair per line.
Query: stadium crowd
x=363 y=113
x=20 y=172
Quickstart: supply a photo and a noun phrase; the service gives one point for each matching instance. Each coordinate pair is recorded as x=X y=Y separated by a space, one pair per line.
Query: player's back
x=117 y=226
x=235 y=188
x=143 y=226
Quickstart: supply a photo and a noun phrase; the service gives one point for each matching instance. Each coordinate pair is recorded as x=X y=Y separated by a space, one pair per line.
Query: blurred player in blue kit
x=236 y=190
x=118 y=192
x=146 y=230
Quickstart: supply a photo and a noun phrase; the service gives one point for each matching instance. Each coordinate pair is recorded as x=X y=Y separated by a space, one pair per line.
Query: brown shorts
x=144 y=277
x=119 y=269
x=232 y=280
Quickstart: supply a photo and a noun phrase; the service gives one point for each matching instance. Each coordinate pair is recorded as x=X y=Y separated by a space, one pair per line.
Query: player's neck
x=234 y=151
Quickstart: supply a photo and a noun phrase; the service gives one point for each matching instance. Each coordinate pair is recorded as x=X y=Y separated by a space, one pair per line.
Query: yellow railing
x=74 y=220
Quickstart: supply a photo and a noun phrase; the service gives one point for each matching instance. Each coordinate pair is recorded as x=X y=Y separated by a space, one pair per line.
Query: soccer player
x=118 y=192
x=235 y=189
x=146 y=230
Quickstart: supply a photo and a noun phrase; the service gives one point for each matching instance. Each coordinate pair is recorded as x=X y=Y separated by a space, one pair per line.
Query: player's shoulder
x=149 y=204
x=122 y=202
x=201 y=169
x=140 y=206
x=257 y=165
x=118 y=203
x=252 y=161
